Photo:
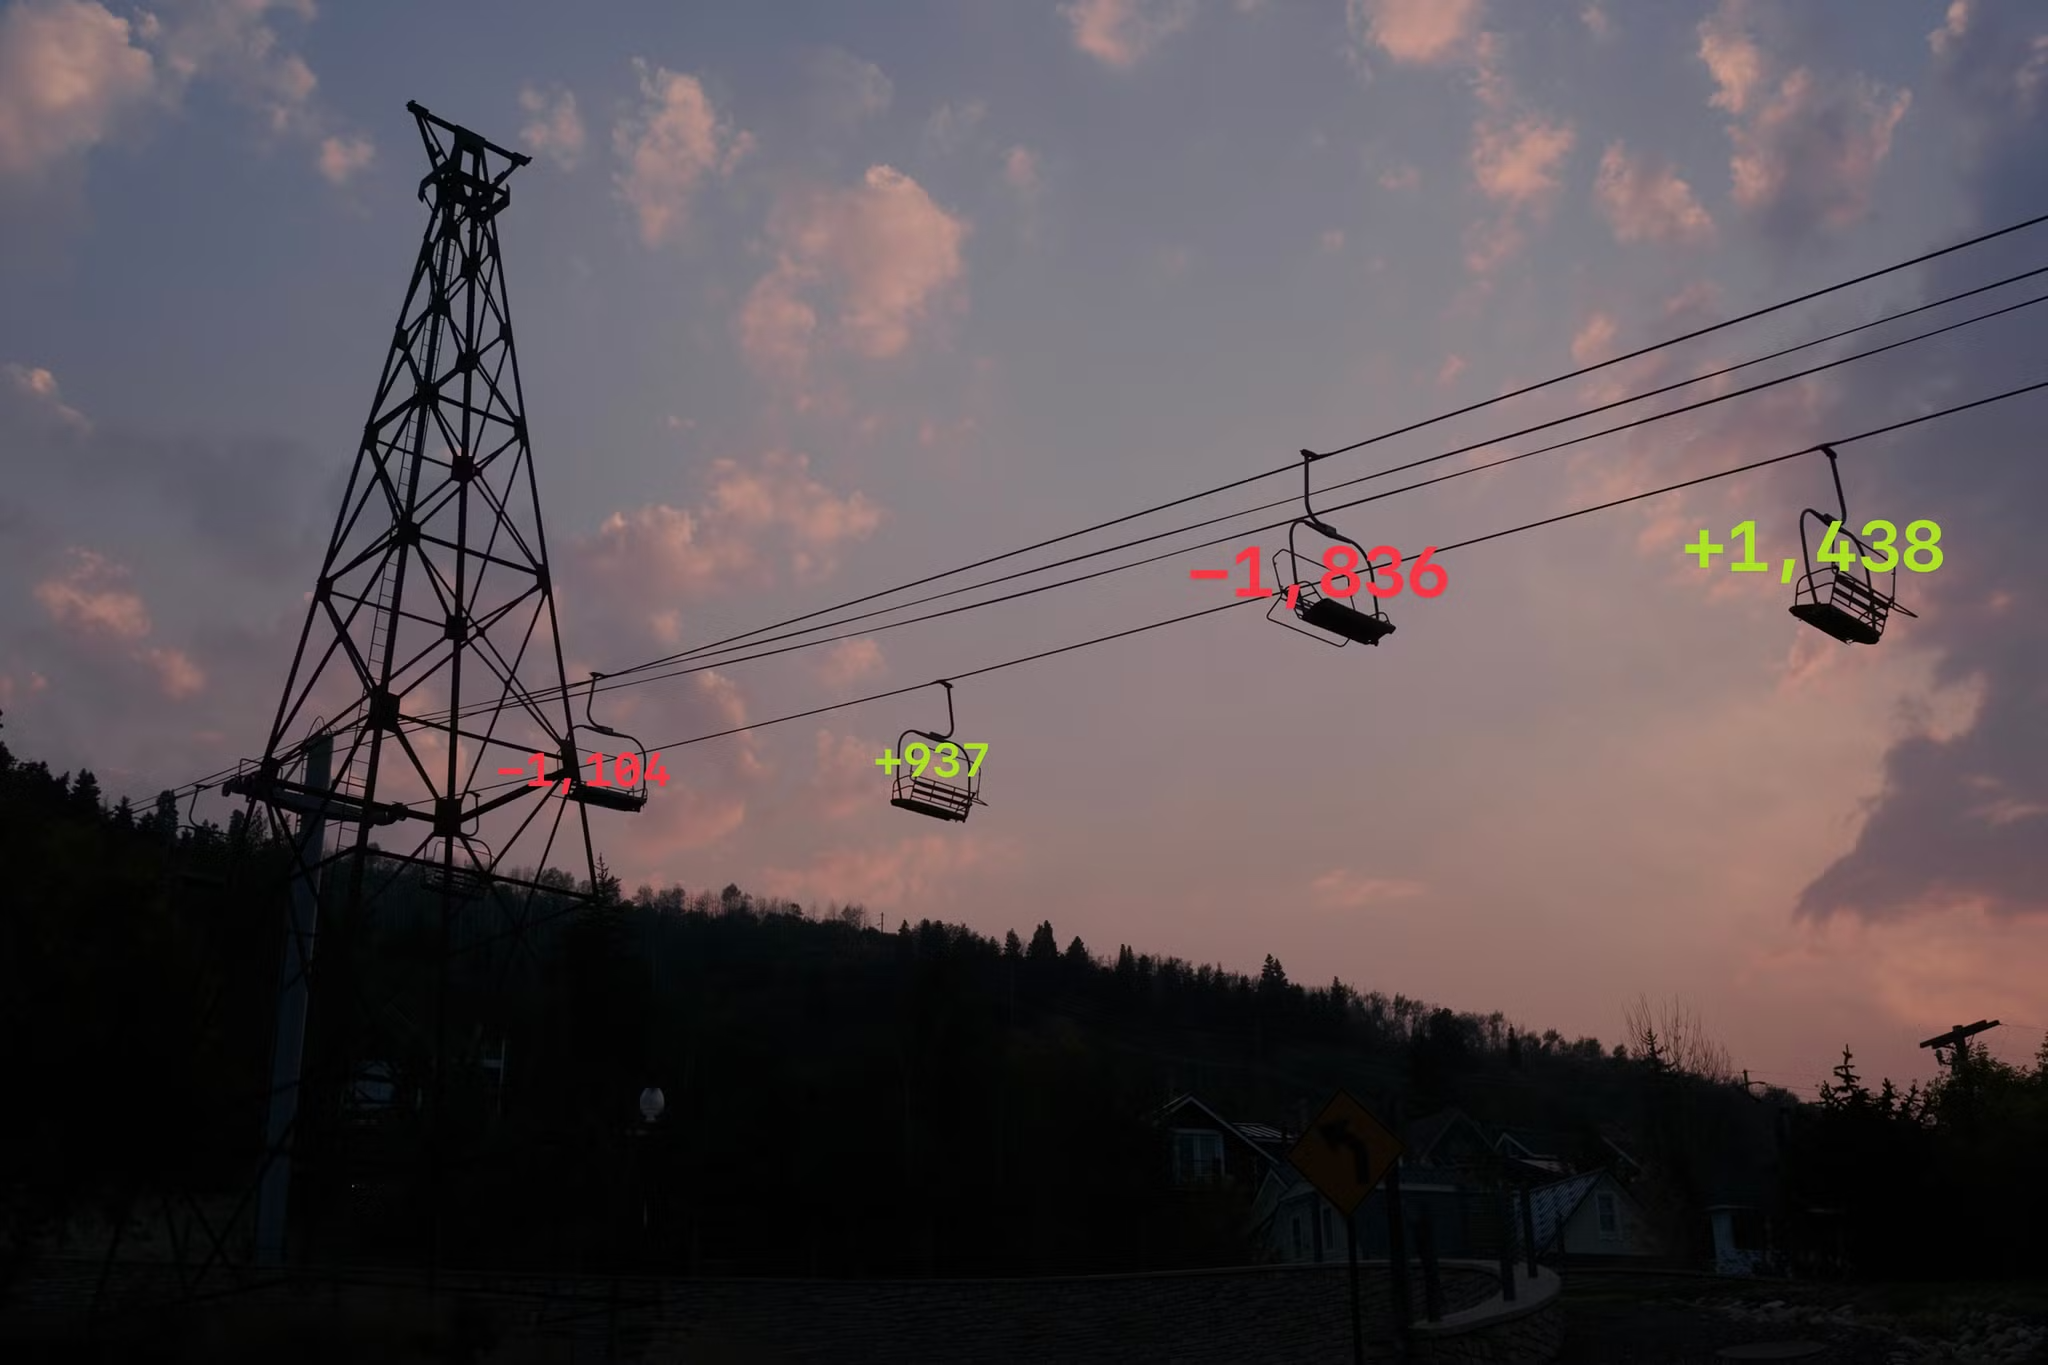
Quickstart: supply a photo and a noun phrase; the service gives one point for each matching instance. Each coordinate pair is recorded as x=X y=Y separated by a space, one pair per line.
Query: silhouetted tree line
x=1946 y=1181
x=840 y=1100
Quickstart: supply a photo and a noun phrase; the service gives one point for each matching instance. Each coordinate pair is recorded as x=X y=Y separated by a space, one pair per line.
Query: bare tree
x=1674 y=1037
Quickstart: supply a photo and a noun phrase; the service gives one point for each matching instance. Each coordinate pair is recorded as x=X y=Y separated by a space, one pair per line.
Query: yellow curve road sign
x=1345 y=1153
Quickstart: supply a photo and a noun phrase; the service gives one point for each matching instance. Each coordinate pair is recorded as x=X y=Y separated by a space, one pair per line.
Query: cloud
x=1332 y=241
x=1414 y=32
x=69 y=77
x=911 y=874
x=670 y=144
x=553 y=128
x=73 y=74
x=1400 y=178
x=1806 y=149
x=847 y=88
x=1648 y=204
x=176 y=674
x=849 y=661
x=1453 y=366
x=1517 y=163
x=1732 y=58
x=1598 y=22
x=1346 y=890
x=951 y=125
x=1021 y=171
x=342 y=158
x=90 y=602
x=1593 y=339
x=36 y=388
x=85 y=599
x=758 y=524
x=845 y=780
x=1953 y=25
x=881 y=257
x=1119 y=33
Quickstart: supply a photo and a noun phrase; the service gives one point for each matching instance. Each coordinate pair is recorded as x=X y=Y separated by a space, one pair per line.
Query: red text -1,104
x=625 y=768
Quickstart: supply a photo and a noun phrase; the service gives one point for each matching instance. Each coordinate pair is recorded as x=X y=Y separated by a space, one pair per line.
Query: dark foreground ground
x=1624 y=1320
x=1611 y=1319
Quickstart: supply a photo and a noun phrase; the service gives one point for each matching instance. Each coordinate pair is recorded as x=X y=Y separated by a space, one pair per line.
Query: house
x=1209 y=1151
x=1448 y=1170
x=1592 y=1216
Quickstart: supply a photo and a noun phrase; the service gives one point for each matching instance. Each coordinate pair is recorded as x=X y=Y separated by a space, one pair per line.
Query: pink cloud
x=1453 y=366
x=1119 y=33
x=1021 y=171
x=1645 y=203
x=343 y=158
x=176 y=673
x=1416 y=32
x=86 y=600
x=1597 y=21
x=912 y=874
x=757 y=521
x=1400 y=178
x=1732 y=58
x=1806 y=151
x=1816 y=148
x=670 y=145
x=885 y=254
x=846 y=781
x=1346 y=890
x=1517 y=163
x=38 y=387
x=1593 y=339
x=554 y=128
x=849 y=661
x=69 y=75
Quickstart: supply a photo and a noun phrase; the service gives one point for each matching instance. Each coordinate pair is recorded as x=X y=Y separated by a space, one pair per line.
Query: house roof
x=1426 y=1134
x=1210 y=1117
x=1552 y=1206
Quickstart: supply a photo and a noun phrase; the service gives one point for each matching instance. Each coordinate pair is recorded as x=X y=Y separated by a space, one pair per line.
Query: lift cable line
x=731 y=641
x=1887 y=429
x=801 y=643
x=620 y=679
x=1289 y=467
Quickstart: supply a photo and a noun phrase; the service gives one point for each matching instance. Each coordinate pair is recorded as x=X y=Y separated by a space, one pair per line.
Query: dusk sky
x=816 y=298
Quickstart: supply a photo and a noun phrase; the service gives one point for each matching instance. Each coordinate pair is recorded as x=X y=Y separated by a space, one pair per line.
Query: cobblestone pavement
x=1609 y=1329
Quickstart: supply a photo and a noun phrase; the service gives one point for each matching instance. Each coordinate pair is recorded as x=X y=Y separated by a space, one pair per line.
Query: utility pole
x=1958 y=1038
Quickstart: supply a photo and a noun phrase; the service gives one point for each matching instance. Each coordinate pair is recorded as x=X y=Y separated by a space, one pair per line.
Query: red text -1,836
x=1345 y=575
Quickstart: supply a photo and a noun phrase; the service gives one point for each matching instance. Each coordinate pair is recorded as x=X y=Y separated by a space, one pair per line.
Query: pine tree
x=124 y=814
x=85 y=796
x=1044 y=947
x=1013 y=947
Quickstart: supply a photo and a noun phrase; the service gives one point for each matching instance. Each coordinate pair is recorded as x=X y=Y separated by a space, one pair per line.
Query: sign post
x=1345 y=1153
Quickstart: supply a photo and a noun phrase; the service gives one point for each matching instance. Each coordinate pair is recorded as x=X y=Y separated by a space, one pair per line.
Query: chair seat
x=1844 y=626
x=1349 y=622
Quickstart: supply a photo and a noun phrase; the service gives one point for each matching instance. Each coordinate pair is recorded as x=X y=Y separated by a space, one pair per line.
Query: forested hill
x=841 y=1100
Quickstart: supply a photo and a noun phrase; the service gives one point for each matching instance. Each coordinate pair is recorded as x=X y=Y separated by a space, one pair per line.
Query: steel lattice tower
x=431 y=648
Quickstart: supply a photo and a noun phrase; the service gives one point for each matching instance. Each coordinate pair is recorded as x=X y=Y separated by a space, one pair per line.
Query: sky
x=816 y=299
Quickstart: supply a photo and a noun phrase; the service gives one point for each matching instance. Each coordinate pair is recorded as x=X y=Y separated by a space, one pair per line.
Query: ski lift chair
x=1849 y=604
x=940 y=798
x=607 y=795
x=463 y=882
x=1303 y=584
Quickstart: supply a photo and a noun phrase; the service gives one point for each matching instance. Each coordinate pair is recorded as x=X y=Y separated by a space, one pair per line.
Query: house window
x=1197 y=1156
x=1610 y=1216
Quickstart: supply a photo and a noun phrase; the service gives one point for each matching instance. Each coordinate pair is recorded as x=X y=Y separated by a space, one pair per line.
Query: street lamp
x=652 y=1102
